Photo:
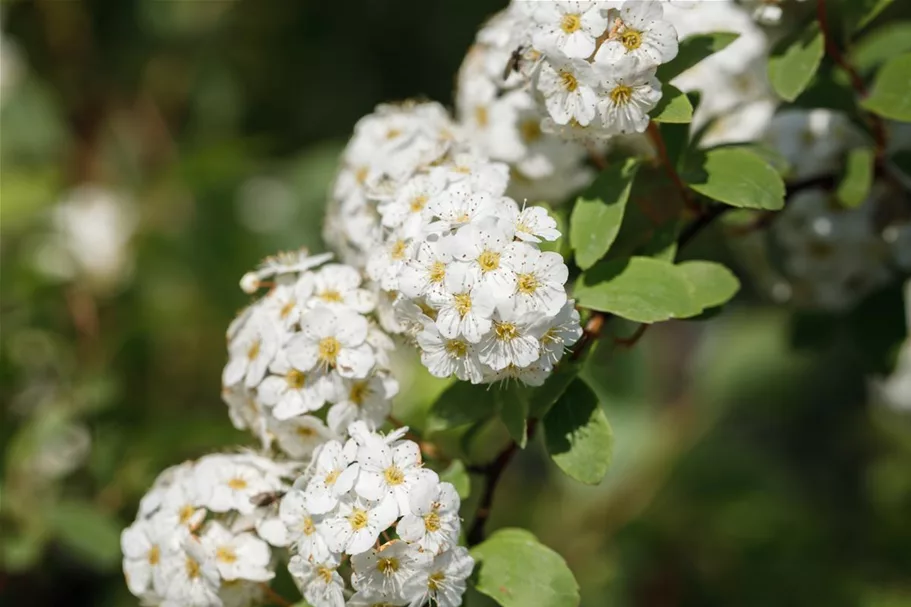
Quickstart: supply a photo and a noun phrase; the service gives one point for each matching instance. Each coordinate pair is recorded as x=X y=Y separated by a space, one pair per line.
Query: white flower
x=630 y=96
x=332 y=478
x=482 y=247
x=446 y=357
x=534 y=224
x=144 y=544
x=570 y=91
x=285 y=262
x=180 y=505
x=368 y=399
x=333 y=339
x=534 y=374
x=337 y=285
x=390 y=470
x=559 y=333
x=570 y=28
x=386 y=569
x=301 y=525
x=191 y=577
x=229 y=483
x=434 y=523
x=319 y=581
x=356 y=523
x=409 y=209
x=238 y=557
x=424 y=275
x=373 y=598
x=300 y=436
x=240 y=593
x=286 y=301
x=291 y=392
x=510 y=342
x=477 y=171
x=641 y=35
x=459 y=205
x=540 y=279
x=386 y=262
x=250 y=352
x=466 y=307
x=443 y=581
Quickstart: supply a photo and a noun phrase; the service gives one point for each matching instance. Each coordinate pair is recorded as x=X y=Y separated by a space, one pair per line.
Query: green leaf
x=880 y=45
x=578 y=435
x=674 y=107
x=516 y=570
x=713 y=284
x=859 y=13
x=891 y=94
x=694 y=49
x=794 y=61
x=858 y=177
x=89 y=533
x=544 y=397
x=637 y=288
x=663 y=244
x=461 y=404
x=456 y=474
x=513 y=406
x=735 y=176
x=596 y=221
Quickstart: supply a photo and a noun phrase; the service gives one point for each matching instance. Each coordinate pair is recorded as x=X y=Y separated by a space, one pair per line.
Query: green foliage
x=674 y=107
x=891 y=94
x=794 y=61
x=735 y=176
x=516 y=570
x=578 y=435
x=89 y=533
x=462 y=404
x=595 y=222
x=860 y=13
x=512 y=402
x=694 y=49
x=544 y=397
x=881 y=45
x=858 y=177
x=711 y=283
x=456 y=474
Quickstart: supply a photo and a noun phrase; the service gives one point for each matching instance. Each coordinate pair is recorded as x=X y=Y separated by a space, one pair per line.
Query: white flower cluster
x=356 y=493
x=201 y=539
x=309 y=341
x=766 y=12
x=832 y=256
x=456 y=260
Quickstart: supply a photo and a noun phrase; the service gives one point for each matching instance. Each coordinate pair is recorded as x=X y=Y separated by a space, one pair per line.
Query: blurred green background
x=749 y=469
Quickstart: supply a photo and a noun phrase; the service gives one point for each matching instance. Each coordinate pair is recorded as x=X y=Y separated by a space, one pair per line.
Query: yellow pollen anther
x=621 y=94
x=432 y=522
x=506 y=331
x=287 y=309
x=437 y=272
x=527 y=283
x=480 y=116
x=237 y=483
x=192 y=568
x=185 y=513
x=332 y=477
x=358 y=519
x=388 y=566
x=393 y=133
x=305 y=432
x=359 y=392
x=331 y=296
x=489 y=261
x=418 y=203
x=307 y=526
x=456 y=348
x=295 y=379
x=435 y=580
x=398 y=250
x=571 y=23
x=153 y=555
x=329 y=347
x=225 y=554
x=360 y=175
x=462 y=303
x=253 y=350
x=530 y=130
x=325 y=573
x=569 y=81
x=631 y=39
x=393 y=476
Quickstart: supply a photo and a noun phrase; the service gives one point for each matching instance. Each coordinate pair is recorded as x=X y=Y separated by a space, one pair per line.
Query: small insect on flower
x=514 y=62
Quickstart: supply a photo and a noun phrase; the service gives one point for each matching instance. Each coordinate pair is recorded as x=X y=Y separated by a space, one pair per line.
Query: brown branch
x=632 y=340
x=274 y=597
x=655 y=134
x=857 y=83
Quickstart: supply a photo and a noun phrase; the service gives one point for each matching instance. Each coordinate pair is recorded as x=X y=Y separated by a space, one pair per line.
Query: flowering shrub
x=445 y=251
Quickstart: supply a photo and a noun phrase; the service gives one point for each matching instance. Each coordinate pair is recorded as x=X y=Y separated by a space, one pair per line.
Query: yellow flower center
x=462 y=302
x=225 y=554
x=305 y=432
x=569 y=81
x=393 y=476
x=185 y=513
x=359 y=392
x=253 y=350
x=437 y=272
x=393 y=133
x=307 y=526
x=329 y=348
x=631 y=39
x=287 y=309
x=358 y=519
x=489 y=261
x=621 y=94
x=527 y=283
x=549 y=336
x=432 y=522
x=153 y=555
x=361 y=174
x=506 y=331
x=398 y=250
x=435 y=581
x=418 y=203
x=192 y=568
x=480 y=116
x=325 y=573
x=295 y=379
x=530 y=130
x=388 y=566
x=332 y=477
x=331 y=296
x=571 y=23
x=237 y=483
x=456 y=348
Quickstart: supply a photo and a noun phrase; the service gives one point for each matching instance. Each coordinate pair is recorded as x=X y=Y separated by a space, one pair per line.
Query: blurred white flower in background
x=895 y=390
x=265 y=205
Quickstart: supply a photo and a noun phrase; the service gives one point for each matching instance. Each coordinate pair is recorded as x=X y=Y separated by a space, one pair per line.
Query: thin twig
x=274 y=597
x=632 y=340
x=655 y=134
